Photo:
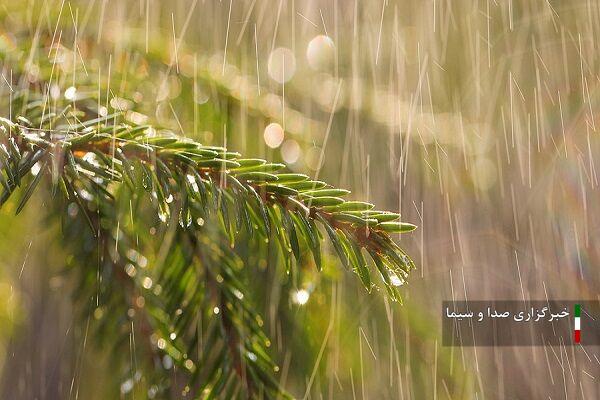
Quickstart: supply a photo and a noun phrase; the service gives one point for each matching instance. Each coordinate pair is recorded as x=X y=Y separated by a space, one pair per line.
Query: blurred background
x=474 y=119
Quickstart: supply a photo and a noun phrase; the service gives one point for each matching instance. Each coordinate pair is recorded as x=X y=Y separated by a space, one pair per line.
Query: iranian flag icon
x=577 y=323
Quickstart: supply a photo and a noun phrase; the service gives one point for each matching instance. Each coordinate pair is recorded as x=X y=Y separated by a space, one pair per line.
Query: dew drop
x=71 y=93
x=301 y=297
x=35 y=169
x=395 y=280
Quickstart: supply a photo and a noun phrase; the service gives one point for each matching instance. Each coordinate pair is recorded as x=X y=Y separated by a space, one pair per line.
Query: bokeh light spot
x=320 y=52
x=274 y=135
x=282 y=65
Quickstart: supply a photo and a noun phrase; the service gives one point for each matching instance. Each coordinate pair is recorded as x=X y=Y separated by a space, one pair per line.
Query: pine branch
x=171 y=306
x=206 y=198
x=194 y=189
x=258 y=191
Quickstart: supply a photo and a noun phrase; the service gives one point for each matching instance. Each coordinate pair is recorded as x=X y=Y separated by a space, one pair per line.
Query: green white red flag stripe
x=577 y=328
